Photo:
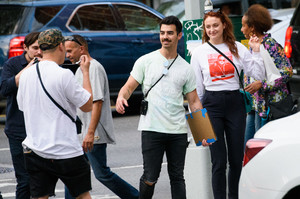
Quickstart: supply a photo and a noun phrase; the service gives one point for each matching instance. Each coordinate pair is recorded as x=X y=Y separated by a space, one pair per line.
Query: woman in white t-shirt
x=218 y=89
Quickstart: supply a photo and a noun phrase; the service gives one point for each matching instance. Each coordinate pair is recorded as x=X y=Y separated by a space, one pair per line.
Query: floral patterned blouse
x=279 y=90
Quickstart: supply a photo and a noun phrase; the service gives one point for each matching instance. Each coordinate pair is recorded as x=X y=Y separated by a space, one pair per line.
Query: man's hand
x=17 y=77
x=33 y=61
x=125 y=94
x=84 y=64
x=254 y=87
x=88 y=142
x=120 y=105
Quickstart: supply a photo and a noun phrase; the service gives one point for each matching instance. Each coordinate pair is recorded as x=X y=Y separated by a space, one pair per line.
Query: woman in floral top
x=257 y=20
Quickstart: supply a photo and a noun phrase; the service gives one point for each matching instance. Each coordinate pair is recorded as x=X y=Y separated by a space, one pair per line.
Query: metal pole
x=194 y=9
x=197 y=170
x=245 y=6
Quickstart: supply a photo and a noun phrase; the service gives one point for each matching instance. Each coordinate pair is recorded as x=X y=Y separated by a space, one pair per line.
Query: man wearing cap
x=14 y=125
x=52 y=150
x=97 y=125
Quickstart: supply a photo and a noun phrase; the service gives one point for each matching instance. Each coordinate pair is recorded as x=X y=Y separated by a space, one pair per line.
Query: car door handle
x=137 y=41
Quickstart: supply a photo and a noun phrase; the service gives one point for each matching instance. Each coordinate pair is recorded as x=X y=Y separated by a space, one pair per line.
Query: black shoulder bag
x=77 y=122
x=144 y=103
x=276 y=110
x=246 y=95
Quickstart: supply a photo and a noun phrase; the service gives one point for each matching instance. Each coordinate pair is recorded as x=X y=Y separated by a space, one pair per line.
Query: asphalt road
x=124 y=158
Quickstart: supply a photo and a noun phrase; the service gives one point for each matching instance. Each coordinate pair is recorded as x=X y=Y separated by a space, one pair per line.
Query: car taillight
x=253 y=147
x=16 y=46
x=287 y=45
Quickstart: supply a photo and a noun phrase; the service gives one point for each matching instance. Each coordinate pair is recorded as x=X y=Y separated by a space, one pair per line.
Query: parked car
x=271 y=161
x=292 y=50
x=281 y=19
x=118 y=31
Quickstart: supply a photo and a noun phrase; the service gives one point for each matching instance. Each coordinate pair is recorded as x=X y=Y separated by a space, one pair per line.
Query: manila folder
x=201 y=127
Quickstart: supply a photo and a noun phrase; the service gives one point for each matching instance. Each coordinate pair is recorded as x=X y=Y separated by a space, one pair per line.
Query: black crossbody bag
x=144 y=103
x=77 y=122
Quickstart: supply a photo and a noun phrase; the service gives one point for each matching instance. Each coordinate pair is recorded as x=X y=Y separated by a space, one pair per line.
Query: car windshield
x=43 y=15
x=9 y=17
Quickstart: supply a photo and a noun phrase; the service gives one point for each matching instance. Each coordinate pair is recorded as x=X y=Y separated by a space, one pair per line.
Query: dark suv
x=117 y=31
x=292 y=50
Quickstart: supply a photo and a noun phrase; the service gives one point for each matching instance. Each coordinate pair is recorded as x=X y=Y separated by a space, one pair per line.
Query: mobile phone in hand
x=36 y=60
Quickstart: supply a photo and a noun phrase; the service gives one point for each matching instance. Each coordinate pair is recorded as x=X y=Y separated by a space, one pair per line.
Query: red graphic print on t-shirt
x=219 y=67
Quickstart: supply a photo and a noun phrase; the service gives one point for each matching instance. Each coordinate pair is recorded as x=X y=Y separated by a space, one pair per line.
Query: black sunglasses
x=213 y=10
x=72 y=38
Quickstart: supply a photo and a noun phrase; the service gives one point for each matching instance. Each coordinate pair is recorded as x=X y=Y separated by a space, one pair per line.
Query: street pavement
x=124 y=158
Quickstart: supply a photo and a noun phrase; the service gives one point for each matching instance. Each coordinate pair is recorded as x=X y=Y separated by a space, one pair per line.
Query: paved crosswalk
x=8 y=186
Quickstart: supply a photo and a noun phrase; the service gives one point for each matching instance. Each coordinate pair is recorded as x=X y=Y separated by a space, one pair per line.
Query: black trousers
x=226 y=110
x=22 y=176
x=154 y=146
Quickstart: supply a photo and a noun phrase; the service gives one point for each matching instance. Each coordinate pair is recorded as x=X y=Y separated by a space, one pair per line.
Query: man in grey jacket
x=97 y=125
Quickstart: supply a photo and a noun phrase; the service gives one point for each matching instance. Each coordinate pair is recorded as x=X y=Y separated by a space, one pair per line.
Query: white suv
x=272 y=161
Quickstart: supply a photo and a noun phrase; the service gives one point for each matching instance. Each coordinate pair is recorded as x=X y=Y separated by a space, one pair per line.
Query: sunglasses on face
x=165 y=70
x=72 y=38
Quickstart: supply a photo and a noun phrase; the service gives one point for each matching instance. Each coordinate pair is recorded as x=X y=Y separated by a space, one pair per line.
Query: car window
x=9 y=17
x=138 y=19
x=43 y=15
x=94 y=18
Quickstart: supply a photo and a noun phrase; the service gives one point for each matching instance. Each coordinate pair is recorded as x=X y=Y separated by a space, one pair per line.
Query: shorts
x=44 y=173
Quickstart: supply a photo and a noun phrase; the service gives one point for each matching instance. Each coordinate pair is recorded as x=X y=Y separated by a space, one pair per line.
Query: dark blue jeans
x=227 y=113
x=22 y=176
x=154 y=145
x=97 y=159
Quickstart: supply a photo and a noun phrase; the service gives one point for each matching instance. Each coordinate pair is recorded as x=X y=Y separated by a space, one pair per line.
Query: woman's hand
x=254 y=43
x=204 y=143
x=252 y=88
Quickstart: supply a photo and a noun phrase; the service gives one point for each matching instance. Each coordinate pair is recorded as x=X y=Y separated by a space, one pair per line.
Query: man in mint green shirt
x=164 y=128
